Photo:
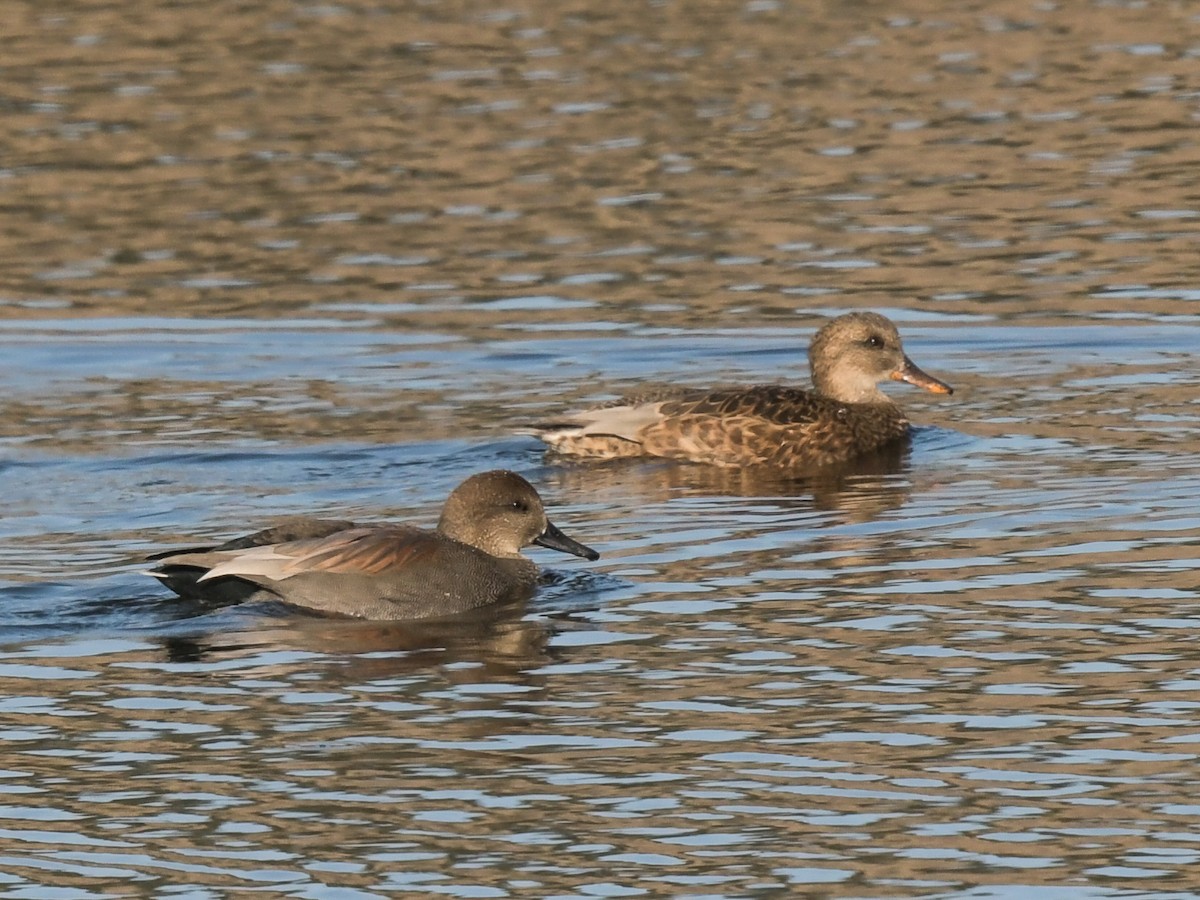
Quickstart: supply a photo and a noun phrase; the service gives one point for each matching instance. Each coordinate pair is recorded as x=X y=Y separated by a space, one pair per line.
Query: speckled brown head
x=500 y=513
x=851 y=355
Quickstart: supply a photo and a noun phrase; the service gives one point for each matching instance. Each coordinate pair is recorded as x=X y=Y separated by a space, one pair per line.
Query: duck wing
x=354 y=551
x=767 y=403
x=635 y=417
x=771 y=425
x=294 y=529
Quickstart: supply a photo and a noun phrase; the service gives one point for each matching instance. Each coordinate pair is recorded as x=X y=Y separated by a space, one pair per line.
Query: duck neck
x=847 y=389
x=481 y=539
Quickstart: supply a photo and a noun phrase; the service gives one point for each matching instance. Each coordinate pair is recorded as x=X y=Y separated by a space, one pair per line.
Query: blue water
x=275 y=259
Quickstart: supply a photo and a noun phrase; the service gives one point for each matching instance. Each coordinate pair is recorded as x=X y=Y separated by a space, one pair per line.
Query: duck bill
x=913 y=375
x=554 y=539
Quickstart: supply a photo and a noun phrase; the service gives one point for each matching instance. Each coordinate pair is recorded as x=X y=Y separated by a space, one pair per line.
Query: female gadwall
x=472 y=559
x=845 y=414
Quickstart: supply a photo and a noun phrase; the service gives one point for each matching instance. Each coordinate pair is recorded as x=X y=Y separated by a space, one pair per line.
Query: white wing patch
x=267 y=562
x=624 y=422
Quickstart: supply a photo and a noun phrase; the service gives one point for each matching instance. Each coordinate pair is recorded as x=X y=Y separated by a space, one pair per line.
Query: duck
x=390 y=571
x=843 y=416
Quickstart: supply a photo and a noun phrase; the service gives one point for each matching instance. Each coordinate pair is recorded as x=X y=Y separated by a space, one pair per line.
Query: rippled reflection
x=278 y=259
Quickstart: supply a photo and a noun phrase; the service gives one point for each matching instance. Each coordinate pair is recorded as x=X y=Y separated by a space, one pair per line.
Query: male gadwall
x=472 y=559
x=845 y=414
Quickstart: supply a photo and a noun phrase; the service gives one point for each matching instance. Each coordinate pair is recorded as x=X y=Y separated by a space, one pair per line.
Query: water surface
x=289 y=258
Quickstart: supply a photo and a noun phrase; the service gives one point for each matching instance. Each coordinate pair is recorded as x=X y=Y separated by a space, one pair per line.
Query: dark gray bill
x=554 y=539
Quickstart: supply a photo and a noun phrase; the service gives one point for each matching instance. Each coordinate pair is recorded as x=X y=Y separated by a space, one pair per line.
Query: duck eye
x=519 y=506
x=874 y=341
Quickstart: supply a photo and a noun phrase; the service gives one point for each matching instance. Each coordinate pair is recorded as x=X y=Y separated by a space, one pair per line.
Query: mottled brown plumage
x=472 y=559
x=843 y=416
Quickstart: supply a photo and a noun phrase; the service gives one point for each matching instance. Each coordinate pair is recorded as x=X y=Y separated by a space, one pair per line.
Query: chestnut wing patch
x=355 y=551
x=370 y=551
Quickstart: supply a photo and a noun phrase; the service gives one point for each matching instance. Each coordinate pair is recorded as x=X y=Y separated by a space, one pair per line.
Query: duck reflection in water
x=497 y=642
x=859 y=490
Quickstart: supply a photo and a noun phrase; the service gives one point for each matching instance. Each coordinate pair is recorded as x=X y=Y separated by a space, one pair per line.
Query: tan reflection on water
x=790 y=736
x=264 y=159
